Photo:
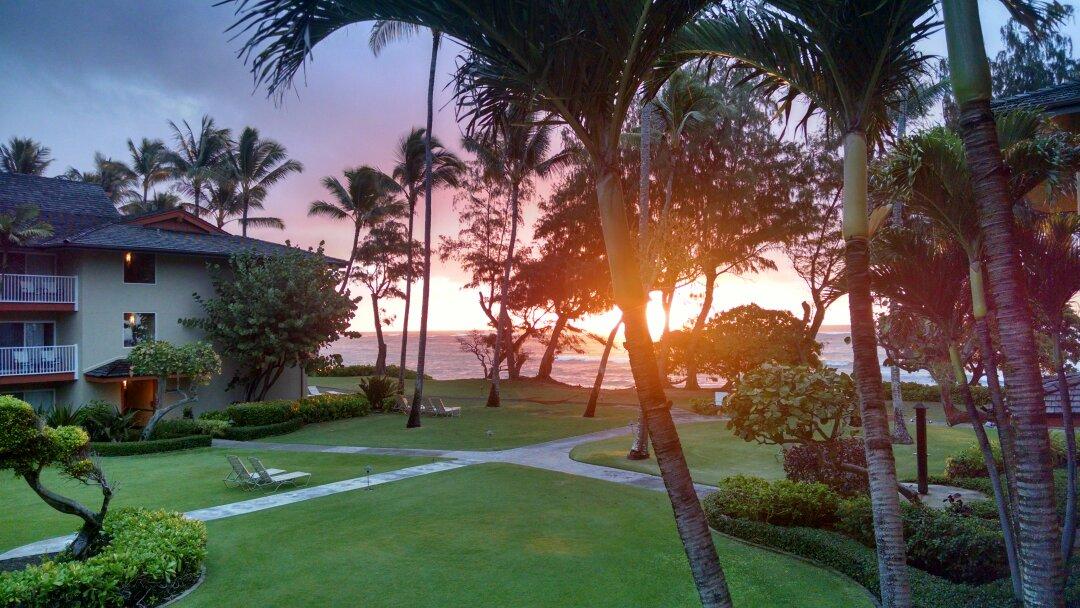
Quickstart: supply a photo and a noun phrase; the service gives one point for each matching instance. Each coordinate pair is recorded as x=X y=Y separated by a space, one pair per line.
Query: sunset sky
x=85 y=76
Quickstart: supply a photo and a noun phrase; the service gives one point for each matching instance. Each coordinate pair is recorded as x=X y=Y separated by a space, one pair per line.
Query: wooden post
x=920 y=447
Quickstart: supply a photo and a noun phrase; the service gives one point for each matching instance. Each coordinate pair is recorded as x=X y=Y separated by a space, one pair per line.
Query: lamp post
x=920 y=447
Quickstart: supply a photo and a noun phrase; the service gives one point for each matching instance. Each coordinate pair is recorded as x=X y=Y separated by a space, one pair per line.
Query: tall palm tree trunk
x=991 y=467
x=380 y=359
x=594 y=395
x=244 y=216
x=885 y=502
x=494 y=398
x=425 y=295
x=352 y=260
x=630 y=296
x=1043 y=570
x=408 y=297
x=547 y=360
x=695 y=332
x=1068 y=535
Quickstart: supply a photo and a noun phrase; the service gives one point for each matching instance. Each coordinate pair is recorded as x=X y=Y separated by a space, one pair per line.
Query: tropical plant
x=198 y=157
x=28 y=447
x=105 y=422
x=857 y=62
x=149 y=164
x=367 y=198
x=161 y=201
x=379 y=391
x=224 y=206
x=114 y=177
x=1042 y=567
x=18 y=228
x=271 y=311
x=188 y=367
x=24 y=155
x=256 y=164
x=410 y=169
x=584 y=64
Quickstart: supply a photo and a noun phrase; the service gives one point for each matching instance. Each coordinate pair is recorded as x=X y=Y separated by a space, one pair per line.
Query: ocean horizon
x=445 y=360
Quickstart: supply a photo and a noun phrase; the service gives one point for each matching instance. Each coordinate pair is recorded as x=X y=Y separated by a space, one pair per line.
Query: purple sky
x=85 y=76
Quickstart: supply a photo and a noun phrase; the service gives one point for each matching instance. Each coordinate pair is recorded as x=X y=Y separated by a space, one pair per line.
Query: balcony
x=22 y=364
x=38 y=292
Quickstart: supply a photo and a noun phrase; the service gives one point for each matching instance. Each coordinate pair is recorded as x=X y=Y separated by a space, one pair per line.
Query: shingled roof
x=68 y=206
x=133 y=237
x=1060 y=99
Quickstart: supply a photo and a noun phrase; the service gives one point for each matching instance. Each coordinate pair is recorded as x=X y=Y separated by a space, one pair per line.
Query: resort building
x=74 y=304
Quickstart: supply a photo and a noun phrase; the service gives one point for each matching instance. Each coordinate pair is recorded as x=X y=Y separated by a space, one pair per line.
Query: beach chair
x=275 y=481
x=240 y=477
x=402 y=404
x=440 y=408
x=313 y=391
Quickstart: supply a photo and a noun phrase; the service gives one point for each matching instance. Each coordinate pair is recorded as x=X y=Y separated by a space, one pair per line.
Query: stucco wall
x=97 y=327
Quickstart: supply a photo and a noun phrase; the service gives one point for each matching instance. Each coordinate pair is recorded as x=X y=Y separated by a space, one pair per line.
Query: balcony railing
x=38 y=360
x=38 y=289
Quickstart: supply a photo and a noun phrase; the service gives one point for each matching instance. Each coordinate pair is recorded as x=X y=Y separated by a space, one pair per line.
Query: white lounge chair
x=267 y=479
x=240 y=477
x=441 y=409
x=313 y=391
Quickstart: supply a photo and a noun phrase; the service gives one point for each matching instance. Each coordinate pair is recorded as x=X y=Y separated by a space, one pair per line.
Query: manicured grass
x=177 y=480
x=714 y=452
x=488 y=535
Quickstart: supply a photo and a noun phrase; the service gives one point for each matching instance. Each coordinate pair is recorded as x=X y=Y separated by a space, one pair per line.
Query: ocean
x=445 y=360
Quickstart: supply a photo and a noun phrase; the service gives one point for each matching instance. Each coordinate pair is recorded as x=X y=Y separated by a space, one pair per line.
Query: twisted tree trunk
x=380 y=359
x=493 y=399
x=594 y=395
x=695 y=333
x=900 y=433
x=547 y=361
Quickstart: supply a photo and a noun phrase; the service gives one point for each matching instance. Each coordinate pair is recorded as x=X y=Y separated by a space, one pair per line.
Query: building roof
x=82 y=217
x=117 y=368
x=1059 y=99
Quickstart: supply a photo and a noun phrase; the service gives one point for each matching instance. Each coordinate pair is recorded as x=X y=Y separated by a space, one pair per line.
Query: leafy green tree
x=256 y=164
x=19 y=228
x=582 y=62
x=272 y=311
x=187 y=367
x=735 y=341
x=382 y=259
x=199 y=156
x=1030 y=62
x=410 y=169
x=24 y=155
x=367 y=198
x=28 y=447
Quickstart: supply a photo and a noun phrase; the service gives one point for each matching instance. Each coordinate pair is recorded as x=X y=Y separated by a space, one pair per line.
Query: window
x=138 y=327
x=139 y=267
x=27 y=334
x=31 y=263
x=41 y=400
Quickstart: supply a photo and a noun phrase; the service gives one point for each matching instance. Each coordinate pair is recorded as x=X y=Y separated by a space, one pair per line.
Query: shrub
x=704 y=407
x=132 y=448
x=324 y=408
x=782 y=502
x=185 y=427
x=968 y=463
x=379 y=391
x=61 y=414
x=105 y=422
x=931 y=393
x=820 y=463
x=854 y=518
x=215 y=415
x=331 y=366
x=261 y=413
x=150 y=555
x=248 y=433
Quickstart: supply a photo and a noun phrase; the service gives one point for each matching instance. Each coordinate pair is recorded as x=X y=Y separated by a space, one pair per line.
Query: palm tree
x=902 y=257
x=18 y=228
x=256 y=164
x=583 y=62
x=114 y=177
x=161 y=201
x=198 y=155
x=1043 y=567
x=24 y=155
x=855 y=60
x=150 y=164
x=382 y=33
x=223 y=203
x=1050 y=250
x=409 y=172
x=367 y=198
x=513 y=151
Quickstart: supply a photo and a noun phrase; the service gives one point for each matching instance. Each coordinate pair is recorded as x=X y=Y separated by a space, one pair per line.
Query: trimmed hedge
x=150 y=556
x=781 y=502
x=324 y=408
x=968 y=463
x=247 y=433
x=262 y=413
x=132 y=448
x=931 y=393
x=321 y=408
x=185 y=427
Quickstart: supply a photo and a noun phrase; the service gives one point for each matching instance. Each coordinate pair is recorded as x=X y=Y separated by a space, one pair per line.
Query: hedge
x=247 y=433
x=132 y=448
x=185 y=427
x=150 y=556
x=931 y=393
x=321 y=408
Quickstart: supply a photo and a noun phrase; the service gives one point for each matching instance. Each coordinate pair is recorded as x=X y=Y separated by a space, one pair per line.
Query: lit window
x=138 y=327
x=139 y=267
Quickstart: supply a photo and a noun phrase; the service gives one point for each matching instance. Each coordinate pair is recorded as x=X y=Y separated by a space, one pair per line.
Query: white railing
x=38 y=289
x=38 y=360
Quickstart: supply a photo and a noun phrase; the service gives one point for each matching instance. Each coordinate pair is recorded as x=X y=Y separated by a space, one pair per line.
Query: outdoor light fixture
x=127 y=257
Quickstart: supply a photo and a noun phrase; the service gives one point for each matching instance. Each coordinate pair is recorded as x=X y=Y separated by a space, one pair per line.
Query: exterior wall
x=97 y=327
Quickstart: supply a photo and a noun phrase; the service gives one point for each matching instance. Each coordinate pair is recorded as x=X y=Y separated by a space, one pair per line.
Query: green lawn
x=714 y=452
x=488 y=535
x=179 y=480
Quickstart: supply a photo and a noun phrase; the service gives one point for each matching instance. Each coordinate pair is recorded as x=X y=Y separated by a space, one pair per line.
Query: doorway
x=138 y=396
